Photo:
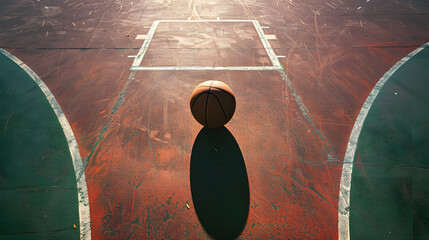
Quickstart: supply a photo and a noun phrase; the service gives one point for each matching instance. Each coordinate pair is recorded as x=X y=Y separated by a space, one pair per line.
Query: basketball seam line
x=224 y=114
x=223 y=90
x=207 y=102
x=199 y=95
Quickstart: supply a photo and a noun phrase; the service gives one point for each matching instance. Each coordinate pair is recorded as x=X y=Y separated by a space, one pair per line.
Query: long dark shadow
x=219 y=183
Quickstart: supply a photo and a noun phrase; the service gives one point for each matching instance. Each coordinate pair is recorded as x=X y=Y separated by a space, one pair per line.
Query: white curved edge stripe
x=84 y=219
x=346 y=175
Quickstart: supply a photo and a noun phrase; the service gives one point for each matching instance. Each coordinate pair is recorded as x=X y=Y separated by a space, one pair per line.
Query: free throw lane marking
x=138 y=60
x=346 y=175
x=172 y=68
x=141 y=37
x=272 y=56
x=271 y=37
x=267 y=45
x=84 y=217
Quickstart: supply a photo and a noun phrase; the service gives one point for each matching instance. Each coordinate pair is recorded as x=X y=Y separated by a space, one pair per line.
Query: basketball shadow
x=219 y=183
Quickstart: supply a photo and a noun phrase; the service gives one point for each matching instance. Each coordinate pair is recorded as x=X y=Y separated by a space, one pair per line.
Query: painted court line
x=102 y=132
x=267 y=45
x=308 y=117
x=141 y=36
x=138 y=60
x=272 y=56
x=84 y=217
x=346 y=175
x=172 y=68
x=203 y=20
x=270 y=37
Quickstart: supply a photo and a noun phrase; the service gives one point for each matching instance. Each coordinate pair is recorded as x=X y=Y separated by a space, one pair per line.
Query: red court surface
x=134 y=127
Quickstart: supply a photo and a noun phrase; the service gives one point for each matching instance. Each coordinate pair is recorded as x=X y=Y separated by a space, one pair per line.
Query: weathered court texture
x=329 y=140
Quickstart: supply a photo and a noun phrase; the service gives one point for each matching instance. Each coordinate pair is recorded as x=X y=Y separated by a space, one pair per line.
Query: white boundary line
x=273 y=58
x=203 y=20
x=267 y=45
x=139 y=58
x=346 y=175
x=84 y=218
x=172 y=68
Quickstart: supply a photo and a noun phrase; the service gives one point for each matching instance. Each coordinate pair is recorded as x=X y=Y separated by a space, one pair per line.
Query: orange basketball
x=212 y=103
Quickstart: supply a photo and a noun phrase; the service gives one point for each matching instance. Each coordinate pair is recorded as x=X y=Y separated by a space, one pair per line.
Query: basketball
x=212 y=103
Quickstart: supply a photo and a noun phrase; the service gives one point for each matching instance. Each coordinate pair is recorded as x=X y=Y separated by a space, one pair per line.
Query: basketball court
x=329 y=139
